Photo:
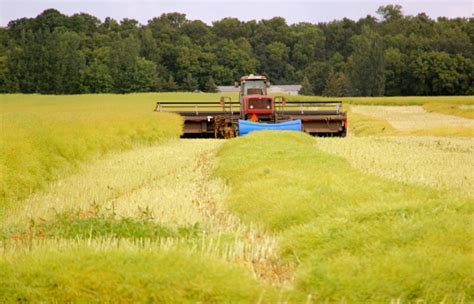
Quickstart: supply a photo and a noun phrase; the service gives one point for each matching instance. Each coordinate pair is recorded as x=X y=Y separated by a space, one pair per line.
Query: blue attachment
x=246 y=126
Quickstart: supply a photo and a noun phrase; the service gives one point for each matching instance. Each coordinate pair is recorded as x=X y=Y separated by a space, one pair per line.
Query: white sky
x=210 y=10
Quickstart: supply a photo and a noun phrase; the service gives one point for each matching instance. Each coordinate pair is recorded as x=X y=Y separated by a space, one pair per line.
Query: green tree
x=145 y=78
x=395 y=68
x=210 y=86
x=317 y=73
x=122 y=64
x=438 y=73
x=338 y=36
x=235 y=58
x=229 y=28
x=57 y=54
x=272 y=30
x=198 y=32
x=306 y=88
x=309 y=45
x=390 y=12
x=277 y=55
x=83 y=23
x=4 y=76
x=189 y=83
x=188 y=65
x=49 y=20
x=170 y=85
x=148 y=46
x=367 y=65
x=338 y=85
x=337 y=63
x=71 y=62
x=166 y=28
x=453 y=40
x=96 y=78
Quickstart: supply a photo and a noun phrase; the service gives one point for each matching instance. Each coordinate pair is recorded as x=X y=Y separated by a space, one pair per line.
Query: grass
x=364 y=125
x=450 y=109
x=145 y=178
x=126 y=276
x=406 y=118
x=446 y=131
x=103 y=224
x=102 y=213
x=406 y=121
x=393 y=101
x=42 y=136
x=356 y=237
x=439 y=163
x=149 y=200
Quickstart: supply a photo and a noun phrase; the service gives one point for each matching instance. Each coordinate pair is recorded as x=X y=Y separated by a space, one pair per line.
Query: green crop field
x=102 y=202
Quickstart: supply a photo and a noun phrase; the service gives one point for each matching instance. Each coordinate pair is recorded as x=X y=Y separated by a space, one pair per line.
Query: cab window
x=254 y=87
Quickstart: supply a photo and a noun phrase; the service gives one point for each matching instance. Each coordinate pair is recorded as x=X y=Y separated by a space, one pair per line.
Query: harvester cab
x=256 y=110
x=255 y=103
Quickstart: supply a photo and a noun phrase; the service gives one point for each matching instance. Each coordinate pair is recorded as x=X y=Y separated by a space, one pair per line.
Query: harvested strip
x=441 y=163
x=412 y=117
x=172 y=185
x=356 y=237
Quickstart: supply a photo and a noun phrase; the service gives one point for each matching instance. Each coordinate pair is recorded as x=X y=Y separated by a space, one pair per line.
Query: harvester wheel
x=229 y=132
x=222 y=128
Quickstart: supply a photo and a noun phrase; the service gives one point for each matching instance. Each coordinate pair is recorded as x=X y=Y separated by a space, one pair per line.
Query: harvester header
x=256 y=110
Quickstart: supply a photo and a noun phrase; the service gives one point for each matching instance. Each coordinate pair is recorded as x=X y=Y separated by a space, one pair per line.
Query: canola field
x=102 y=202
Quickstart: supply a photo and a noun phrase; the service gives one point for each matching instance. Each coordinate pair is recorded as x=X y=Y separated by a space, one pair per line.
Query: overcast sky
x=210 y=10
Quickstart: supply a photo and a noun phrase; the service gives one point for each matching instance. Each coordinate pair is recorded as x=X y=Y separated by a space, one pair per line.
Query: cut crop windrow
x=171 y=186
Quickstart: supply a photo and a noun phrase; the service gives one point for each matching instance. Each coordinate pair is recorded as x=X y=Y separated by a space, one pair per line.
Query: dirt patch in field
x=412 y=117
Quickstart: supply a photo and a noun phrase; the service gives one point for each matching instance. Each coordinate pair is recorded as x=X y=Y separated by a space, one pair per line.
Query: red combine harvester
x=256 y=110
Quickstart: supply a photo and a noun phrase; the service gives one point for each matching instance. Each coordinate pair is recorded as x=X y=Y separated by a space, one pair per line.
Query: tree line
x=391 y=54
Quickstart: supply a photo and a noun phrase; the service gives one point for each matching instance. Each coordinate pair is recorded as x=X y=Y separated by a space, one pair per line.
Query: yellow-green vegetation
x=140 y=207
x=355 y=236
x=406 y=121
x=442 y=163
x=406 y=118
x=393 y=101
x=41 y=136
x=462 y=110
x=364 y=125
x=449 y=116
x=445 y=131
x=108 y=208
x=118 y=275
x=167 y=184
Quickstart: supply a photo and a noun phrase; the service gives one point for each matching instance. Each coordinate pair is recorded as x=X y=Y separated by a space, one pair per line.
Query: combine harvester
x=256 y=110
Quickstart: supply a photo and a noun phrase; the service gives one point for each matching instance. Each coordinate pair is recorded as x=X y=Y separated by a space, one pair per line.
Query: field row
x=377 y=236
x=45 y=136
x=288 y=223
x=149 y=205
x=101 y=201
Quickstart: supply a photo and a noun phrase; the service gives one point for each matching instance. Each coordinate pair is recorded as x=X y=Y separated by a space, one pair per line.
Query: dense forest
x=391 y=54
